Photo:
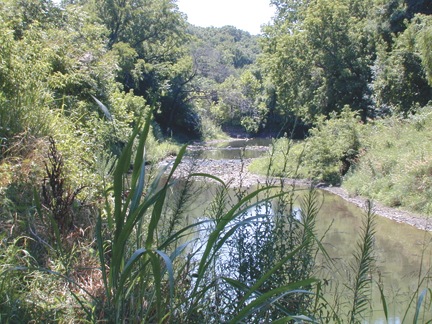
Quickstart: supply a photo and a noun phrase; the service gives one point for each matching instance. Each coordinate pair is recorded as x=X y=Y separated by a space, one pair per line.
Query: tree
x=149 y=37
x=241 y=102
x=401 y=75
x=319 y=57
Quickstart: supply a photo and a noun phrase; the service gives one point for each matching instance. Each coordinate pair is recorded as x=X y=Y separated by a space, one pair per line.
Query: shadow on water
x=399 y=249
x=232 y=150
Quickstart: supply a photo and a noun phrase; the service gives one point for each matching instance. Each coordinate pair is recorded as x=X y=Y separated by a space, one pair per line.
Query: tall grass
x=144 y=272
x=394 y=167
x=363 y=267
x=251 y=261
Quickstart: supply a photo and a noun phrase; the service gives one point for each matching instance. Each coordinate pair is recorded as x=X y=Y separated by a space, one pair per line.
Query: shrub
x=327 y=154
x=395 y=166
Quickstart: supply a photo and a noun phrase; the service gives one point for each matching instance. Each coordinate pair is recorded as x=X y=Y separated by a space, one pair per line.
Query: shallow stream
x=403 y=253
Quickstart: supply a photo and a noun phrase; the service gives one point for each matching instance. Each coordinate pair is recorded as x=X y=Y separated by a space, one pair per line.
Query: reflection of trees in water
x=265 y=237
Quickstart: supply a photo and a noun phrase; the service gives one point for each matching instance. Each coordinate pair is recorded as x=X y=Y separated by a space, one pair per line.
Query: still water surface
x=400 y=249
x=235 y=150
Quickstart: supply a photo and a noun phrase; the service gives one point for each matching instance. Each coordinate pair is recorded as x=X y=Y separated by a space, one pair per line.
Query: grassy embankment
x=388 y=159
x=127 y=259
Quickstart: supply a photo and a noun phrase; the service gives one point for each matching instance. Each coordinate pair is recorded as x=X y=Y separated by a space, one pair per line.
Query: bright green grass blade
x=300 y=319
x=181 y=233
x=317 y=294
x=383 y=300
x=232 y=230
x=236 y=284
x=267 y=275
x=170 y=269
x=84 y=307
x=121 y=168
x=119 y=245
x=157 y=282
x=108 y=208
x=132 y=220
x=241 y=286
x=138 y=190
x=264 y=297
x=156 y=214
x=101 y=252
x=283 y=320
x=177 y=161
x=126 y=273
x=138 y=173
x=227 y=235
x=206 y=175
x=178 y=251
x=139 y=157
x=157 y=180
x=213 y=237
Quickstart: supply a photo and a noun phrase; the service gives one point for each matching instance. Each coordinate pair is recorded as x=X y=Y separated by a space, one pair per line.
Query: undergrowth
x=387 y=159
x=395 y=164
x=137 y=257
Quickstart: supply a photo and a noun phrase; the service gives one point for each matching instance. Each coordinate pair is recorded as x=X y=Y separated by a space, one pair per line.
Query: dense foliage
x=331 y=61
x=322 y=55
x=394 y=165
x=91 y=231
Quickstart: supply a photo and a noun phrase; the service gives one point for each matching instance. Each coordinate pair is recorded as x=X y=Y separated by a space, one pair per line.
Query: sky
x=247 y=15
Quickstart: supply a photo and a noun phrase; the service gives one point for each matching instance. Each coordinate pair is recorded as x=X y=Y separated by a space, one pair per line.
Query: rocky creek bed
x=236 y=174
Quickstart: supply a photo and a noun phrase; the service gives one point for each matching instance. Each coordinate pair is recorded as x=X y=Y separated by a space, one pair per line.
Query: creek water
x=403 y=253
x=234 y=150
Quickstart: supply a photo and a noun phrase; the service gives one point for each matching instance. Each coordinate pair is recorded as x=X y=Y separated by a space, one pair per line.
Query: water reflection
x=242 y=143
x=229 y=154
x=253 y=243
x=232 y=150
x=399 y=251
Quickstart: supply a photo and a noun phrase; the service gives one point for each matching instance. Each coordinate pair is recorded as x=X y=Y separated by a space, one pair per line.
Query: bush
x=395 y=166
x=326 y=155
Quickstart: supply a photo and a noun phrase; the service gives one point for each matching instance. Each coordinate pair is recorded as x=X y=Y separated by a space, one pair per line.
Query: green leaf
x=266 y=296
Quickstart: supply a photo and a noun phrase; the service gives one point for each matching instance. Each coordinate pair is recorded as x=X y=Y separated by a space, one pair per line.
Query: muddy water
x=233 y=150
x=399 y=248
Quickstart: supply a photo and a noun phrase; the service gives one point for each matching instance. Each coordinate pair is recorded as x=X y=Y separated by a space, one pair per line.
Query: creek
x=403 y=253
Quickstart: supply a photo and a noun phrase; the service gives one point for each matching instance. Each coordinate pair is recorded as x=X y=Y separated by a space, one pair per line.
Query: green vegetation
x=387 y=160
x=139 y=264
x=94 y=230
x=324 y=156
x=358 y=73
x=394 y=166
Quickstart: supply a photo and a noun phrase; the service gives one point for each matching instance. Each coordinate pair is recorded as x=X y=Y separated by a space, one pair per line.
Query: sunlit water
x=399 y=249
x=402 y=252
x=235 y=150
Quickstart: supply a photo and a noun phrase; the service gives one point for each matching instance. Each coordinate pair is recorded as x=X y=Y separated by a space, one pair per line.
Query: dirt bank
x=234 y=173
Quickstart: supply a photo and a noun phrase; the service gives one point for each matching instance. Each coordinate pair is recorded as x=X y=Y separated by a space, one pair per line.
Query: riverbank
x=236 y=174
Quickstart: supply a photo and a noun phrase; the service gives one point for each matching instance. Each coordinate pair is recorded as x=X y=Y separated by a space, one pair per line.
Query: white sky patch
x=247 y=15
